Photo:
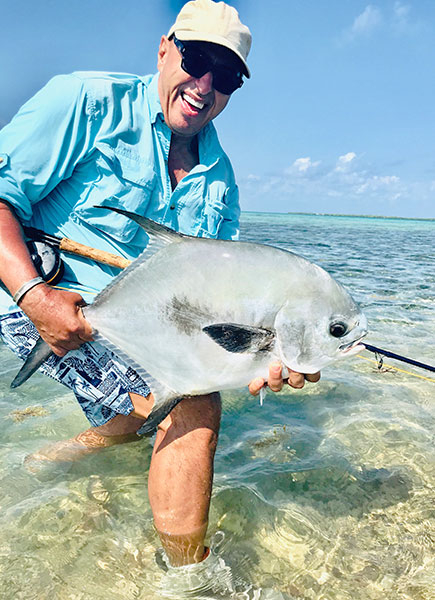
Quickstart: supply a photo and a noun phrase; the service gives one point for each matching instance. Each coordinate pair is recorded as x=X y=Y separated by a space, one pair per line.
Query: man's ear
x=163 y=51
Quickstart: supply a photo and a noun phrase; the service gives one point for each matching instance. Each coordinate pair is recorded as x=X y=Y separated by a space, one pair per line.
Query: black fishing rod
x=389 y=354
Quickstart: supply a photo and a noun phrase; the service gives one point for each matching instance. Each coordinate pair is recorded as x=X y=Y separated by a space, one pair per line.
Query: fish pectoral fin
x=41 y=351
x=241 y=338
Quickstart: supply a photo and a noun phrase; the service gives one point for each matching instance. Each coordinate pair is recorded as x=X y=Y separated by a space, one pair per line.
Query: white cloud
x=376 y=183
x=401 y=11
x=346 y=182
x=303 y=165
x=346 y=158
x=395 y=20
x=343 y=162
x=402 y=21
x=367 y=21
x=364 y=24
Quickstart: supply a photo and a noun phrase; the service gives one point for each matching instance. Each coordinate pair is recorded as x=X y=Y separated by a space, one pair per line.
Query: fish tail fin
x=38 y=355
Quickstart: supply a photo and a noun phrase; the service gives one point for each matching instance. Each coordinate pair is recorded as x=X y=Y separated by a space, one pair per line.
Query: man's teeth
x=193 y=102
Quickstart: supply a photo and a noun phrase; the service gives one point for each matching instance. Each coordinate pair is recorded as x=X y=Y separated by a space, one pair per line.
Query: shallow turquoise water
x=324 y=493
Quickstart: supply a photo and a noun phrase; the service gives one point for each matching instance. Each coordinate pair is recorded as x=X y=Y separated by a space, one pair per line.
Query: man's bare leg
x=119 y=430
x=181 y=476
x=181 y=470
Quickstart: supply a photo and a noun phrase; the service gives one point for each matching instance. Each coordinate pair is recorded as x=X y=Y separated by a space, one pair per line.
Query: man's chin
x=186 y=132
x=188 y=126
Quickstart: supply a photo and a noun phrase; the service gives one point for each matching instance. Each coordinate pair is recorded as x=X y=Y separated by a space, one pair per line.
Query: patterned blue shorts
x=98 y=378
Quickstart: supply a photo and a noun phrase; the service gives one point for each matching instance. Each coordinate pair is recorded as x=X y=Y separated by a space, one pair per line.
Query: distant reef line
x=316 y=214
x=363 y=216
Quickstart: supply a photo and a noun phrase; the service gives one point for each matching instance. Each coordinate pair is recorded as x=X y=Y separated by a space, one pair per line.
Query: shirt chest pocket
x=213 y=215
x=121 y=181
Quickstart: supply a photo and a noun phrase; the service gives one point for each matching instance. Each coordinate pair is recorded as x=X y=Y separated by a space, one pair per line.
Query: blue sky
x=339 y=115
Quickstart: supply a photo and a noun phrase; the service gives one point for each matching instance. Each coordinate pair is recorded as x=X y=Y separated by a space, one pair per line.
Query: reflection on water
x=324 y=493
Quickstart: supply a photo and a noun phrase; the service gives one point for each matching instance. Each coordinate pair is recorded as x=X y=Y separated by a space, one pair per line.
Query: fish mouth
x=353 y=346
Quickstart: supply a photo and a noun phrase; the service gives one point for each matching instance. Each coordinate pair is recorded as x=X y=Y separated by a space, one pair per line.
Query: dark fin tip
x=241 y=338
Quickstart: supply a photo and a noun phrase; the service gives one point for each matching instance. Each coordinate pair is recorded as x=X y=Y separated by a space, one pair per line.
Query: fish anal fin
x=241 y=338
x=159 y=412
x=164 y=397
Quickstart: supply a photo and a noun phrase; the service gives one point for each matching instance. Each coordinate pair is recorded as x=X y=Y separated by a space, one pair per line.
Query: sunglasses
x=196 y=62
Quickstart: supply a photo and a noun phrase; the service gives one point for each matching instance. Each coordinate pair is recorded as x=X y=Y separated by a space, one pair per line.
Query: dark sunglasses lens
x=197 y=64
x=225 y=81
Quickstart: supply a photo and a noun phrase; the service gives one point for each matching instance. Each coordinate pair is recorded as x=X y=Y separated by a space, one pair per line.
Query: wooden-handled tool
x=67 y=245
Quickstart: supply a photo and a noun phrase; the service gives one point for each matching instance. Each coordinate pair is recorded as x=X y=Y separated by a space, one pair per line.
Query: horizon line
x=320 y=214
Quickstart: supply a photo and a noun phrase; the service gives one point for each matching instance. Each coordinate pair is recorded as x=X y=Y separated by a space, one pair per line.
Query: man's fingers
x=296 y=380
x=62 y=347
x=275 y=381
x=256 y=385
x=86 y=334
x=313 y=378
x=58 y=350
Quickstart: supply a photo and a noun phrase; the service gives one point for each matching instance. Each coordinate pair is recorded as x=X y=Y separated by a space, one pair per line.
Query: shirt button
x=172 y=207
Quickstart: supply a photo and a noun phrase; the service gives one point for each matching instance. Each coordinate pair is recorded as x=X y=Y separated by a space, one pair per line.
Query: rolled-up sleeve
x=43 y=143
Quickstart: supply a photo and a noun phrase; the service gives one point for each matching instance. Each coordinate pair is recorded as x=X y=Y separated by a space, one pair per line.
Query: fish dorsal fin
x=241 y=338
x=160 y=236
x=153 y=229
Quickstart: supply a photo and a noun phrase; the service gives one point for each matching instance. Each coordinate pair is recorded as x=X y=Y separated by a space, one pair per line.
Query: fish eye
x=338 y=329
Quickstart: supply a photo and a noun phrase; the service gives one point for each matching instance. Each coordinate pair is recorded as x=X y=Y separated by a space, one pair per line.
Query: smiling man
x=145 y=144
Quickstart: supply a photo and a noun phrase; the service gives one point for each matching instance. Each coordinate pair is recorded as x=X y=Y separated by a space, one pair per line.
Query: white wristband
x=19 y=294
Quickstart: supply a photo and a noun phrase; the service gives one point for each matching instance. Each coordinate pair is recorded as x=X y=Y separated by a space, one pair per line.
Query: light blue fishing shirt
x=93 y=139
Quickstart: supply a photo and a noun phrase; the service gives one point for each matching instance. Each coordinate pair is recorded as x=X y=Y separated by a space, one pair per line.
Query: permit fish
x=196 y=315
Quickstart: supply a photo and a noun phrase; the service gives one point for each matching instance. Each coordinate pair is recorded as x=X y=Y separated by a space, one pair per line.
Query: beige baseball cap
x=216 y=22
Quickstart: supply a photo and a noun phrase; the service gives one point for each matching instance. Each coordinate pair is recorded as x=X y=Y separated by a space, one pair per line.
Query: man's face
x=188 y=103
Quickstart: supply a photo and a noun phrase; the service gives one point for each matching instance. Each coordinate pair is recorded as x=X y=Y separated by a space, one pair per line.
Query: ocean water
x=325 y=493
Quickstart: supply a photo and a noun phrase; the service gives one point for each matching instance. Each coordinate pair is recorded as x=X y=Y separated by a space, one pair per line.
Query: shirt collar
x=210 y=149
x=154 y=99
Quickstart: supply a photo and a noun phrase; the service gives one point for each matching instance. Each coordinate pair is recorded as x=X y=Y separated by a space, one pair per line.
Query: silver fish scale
x=194 y=316
x=158 y=314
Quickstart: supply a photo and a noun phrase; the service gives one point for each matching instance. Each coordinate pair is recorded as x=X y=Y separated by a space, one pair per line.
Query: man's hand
x=58 y=317
x=275 y=381
x=57 y=314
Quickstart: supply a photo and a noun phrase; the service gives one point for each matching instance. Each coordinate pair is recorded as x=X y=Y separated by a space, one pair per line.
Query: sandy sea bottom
x=324 y=493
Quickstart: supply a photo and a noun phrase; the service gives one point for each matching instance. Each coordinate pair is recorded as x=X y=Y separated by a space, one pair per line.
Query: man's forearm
x=16 y=266
x=56 y=313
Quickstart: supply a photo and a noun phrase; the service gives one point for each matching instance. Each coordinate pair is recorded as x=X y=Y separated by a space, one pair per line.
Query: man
x=145 y=144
